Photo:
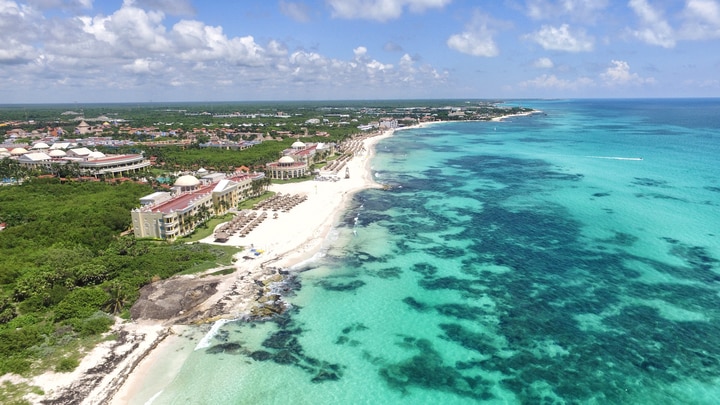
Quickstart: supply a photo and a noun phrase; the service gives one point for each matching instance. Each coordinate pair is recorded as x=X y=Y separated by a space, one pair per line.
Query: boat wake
x=614 y=157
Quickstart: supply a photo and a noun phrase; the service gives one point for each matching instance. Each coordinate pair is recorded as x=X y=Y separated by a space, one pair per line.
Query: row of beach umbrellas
x=281 y=202
x=242 y=223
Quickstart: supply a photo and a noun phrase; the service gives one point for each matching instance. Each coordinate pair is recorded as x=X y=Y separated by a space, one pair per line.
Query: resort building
x=155 y=198
x=91 y=163
x=35 y=160
x=113 y=165
x=57 y=153
x=79 y=152
x=40 y=146
x=18 y=151
x=83 y=128
x=287 y=168
x=170 y=216
x=296 y=160
x=388 y=123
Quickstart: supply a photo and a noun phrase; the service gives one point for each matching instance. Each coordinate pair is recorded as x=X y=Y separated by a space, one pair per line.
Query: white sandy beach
x=522 y=114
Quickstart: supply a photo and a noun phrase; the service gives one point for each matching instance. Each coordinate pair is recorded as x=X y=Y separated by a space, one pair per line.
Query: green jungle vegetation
x=193 y=157
x=65 y=269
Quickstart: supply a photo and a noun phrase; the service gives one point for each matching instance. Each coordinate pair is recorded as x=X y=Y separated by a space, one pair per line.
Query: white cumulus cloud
x=701 y=20
x=172 y=7
x=136 y=48
x=473 y=43
x=13 y=52
x=654 y=29
x=619 y=74
x=129 y=28
x=145 y=65
x=477 y=38
x=196 y=41
x=299 y=12
x=562 y=38
x=553 y=82
x=380 y=10
x=579 y=10
x=543 y=63
x=19 y=28
x=65 y=4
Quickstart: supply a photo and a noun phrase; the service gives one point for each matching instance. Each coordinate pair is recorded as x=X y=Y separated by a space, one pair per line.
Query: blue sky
x=227 y=50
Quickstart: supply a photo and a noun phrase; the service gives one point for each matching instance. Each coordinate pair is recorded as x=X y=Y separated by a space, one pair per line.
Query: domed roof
x=187 y=181
x=41 y=145
x=298 y=145
x=18 y=151
x=4 y=154
x=202 y=170
x=286 y=159
x=96 y=154
x=57 y=153
x=3 y=150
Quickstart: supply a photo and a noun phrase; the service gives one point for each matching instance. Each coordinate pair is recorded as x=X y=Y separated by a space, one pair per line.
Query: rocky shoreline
x=181 y=300
x=188 y=300
x=91 y=384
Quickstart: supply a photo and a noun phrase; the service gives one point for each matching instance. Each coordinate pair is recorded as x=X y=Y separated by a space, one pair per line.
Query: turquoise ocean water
x=571 y=256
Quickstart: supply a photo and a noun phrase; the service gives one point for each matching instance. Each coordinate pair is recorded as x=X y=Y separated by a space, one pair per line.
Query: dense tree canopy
x=216 y=158
x=64 y=268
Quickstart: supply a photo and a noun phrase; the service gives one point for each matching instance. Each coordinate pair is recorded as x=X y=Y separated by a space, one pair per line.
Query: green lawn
x=250 y=202
x=224 y=259
x=203 y=231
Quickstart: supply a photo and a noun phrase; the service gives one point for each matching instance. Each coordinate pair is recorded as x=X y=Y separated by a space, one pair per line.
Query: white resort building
x=165 y=215
x=295 y=162
x=90 y=163
x=113 y=164
x=287 y=168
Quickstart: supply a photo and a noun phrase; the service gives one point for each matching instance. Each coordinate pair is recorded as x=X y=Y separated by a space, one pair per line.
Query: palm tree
x=72 y=170
x=202 y=215
x=224 y=205
x=118 y=298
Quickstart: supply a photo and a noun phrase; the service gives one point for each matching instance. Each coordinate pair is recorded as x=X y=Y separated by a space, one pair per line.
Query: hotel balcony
x=120 y=169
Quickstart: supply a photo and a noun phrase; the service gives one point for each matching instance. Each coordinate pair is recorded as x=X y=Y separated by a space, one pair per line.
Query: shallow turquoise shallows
x=571 y=256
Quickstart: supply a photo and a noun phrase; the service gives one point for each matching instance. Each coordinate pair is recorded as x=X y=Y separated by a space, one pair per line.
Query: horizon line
x=490 y=99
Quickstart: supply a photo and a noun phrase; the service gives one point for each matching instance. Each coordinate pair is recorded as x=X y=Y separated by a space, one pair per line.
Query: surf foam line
x=614 y=157
x=205 y=341
x=154 y=397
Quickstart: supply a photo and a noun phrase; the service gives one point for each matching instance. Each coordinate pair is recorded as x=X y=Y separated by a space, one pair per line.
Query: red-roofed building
x=194 y=202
